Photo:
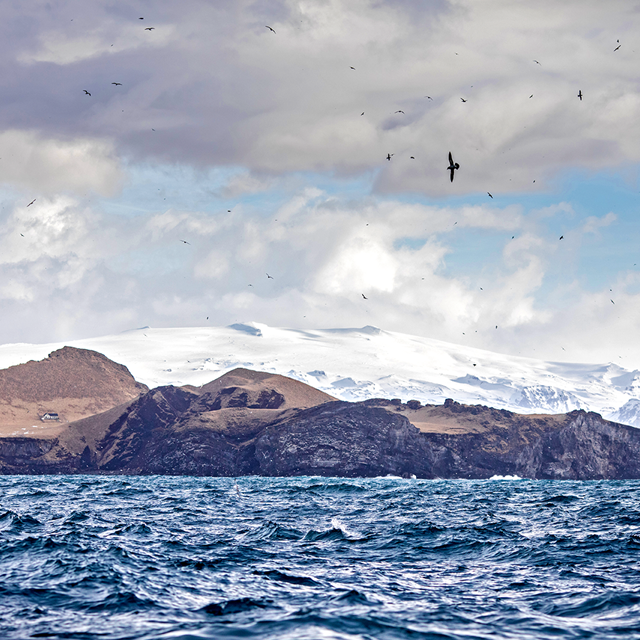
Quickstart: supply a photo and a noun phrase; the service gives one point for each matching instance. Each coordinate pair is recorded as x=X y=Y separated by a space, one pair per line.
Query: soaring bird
x=399 y=111
x=452 y=166
x=489 y=195
x=612 y=302
x=389 y=155
x=619 y=45
x=365 y=297
x=270 y=28
x=268 y=276
x=118 y=84
x=185 y=241
x=362 y=113
x=86 y=92
x=537 y=62
x=561 y=237
x=580 y=95
x=149 y=28
x=31 y=202
x=352 y=68
x=463 y=100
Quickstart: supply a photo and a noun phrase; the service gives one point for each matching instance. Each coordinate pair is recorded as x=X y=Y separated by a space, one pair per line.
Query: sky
x=239 y=173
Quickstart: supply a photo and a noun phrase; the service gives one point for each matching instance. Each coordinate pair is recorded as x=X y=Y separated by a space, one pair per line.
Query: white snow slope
x=356 y=364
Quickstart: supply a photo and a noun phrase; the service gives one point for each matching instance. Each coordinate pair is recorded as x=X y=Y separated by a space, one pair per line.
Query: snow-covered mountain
x=356 y=364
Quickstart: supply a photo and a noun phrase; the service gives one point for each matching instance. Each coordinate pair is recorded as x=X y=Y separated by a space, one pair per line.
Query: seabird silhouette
x=365 y=297
x=118 y=84
x=412 y=157
x=389 y=155
x=580 y=95
x=489 y=195
x=561 y=237
x=537 y=62
x=31 y=202
x=531 y=96
x=452 y=166
x=463 y=100
x=268 y=276
x=270 y=28
x=400 y=111
x=149 y=28
x=352 y=68
x=86 y=92
x=185 y=241
x=612 y=302
x=617 y=46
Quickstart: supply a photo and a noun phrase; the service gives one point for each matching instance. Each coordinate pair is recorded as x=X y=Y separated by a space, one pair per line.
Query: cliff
x=248 y=422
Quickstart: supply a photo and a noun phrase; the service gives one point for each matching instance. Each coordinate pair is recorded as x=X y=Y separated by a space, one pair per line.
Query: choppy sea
x=318 y=558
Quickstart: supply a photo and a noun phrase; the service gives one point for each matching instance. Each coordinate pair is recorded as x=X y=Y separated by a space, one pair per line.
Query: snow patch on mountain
x=362 y=363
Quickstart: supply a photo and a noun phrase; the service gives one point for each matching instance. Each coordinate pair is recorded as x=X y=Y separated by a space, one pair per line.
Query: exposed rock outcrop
x=256 y=423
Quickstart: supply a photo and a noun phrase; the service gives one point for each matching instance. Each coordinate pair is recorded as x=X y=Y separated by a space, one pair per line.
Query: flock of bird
x=452 y=167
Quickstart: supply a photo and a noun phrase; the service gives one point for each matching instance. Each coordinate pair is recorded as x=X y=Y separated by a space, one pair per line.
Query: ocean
x=317 y=558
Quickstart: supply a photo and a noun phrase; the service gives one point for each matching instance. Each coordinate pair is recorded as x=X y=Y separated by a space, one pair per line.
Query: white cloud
x=43 y=165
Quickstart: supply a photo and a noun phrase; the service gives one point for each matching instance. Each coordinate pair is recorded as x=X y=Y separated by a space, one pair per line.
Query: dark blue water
x=317 y=558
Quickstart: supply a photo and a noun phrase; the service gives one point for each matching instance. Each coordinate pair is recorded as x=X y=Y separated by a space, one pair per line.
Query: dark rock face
x=340 y=439
x=230 y=431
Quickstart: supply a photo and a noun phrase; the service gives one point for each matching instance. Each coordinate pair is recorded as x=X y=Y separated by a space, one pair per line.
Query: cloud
x=286 y=102
x=46 y=165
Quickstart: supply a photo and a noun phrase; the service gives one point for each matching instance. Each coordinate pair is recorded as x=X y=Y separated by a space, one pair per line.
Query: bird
x=531 y=96
x=429 y=97
x=452 y=166
x=612 y=302
x=362 y=113
x=400 y=111
x=580 y=95
x=185 y=241
x=619 y=45
x=412 y=157
x=365 y=297
x=389 y=156
x=561 y=237
x=537 y=62
x=31 y=202
x=463 y=100
x=352 y=68
x=268 y=276
x=118 y=84
x=149 y=28
x=489 y=195
x=86 y=92
x=270 y=28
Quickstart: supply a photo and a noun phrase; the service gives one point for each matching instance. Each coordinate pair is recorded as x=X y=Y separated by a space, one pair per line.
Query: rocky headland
x=248 y=422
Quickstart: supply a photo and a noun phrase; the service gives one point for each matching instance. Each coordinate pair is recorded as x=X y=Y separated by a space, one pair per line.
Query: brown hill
x=74 y=383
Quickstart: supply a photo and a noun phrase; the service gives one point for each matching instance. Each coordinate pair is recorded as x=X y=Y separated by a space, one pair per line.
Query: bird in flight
x=452 y=166
x=86 y=92
x=489 y=195
x=399 y=111
x=619 y=45
x=270 y=28
x=149 y=28
x=429 y=97
x=580 y=95
x=531 y=96
x=561 y=237
x=118 y=84
x=612 y=302
x=413 y=157
x=389 y=155
x=352 y=68
x=463 y=100
x=268 y=276
x=362 y=113
x=31 y=202
x=537 y=62
x=185 y=241
x=365 y=297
